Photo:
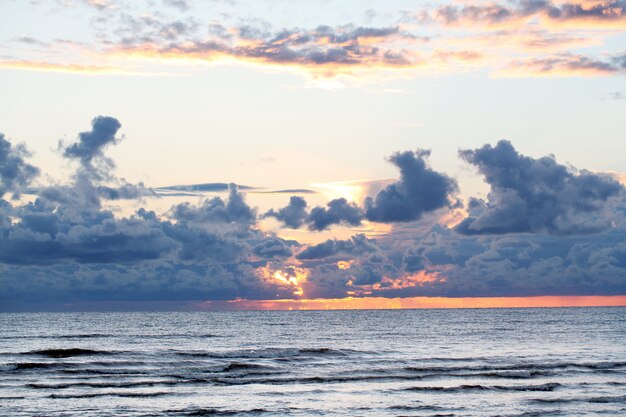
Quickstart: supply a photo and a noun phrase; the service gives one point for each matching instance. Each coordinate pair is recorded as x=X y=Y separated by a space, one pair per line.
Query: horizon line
x=323 y=304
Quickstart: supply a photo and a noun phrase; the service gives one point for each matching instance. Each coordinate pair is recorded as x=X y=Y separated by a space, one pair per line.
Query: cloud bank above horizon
x=544 y=229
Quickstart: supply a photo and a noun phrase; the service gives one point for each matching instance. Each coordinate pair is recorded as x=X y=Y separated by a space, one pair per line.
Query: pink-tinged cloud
x=589 y=14
x=564 y=65
x=323 y=49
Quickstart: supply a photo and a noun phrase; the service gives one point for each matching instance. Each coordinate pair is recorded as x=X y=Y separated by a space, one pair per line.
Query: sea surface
x=488 y=362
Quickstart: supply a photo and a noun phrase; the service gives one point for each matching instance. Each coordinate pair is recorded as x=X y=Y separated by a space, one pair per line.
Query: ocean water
x=493 y=362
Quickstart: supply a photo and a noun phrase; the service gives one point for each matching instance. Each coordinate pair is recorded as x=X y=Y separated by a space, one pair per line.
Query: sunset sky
x=264 y=154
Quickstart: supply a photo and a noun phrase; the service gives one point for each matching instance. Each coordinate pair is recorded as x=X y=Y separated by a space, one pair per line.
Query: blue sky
x=314 y=97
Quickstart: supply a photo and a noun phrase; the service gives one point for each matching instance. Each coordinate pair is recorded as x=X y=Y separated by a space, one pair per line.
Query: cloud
x=337 y=211
x=91 y=144
x=357 y=245
x=234 y=210
x=536 y=195
x=324 y=48
x=125 y=191
x=616 y=95
x=507 y=38
x=15 y=173
x=65 y=245
x=182 y=5
x=273 y=247
x=293 y=215
x=288 y=191
x=595 y=14
x=419 y=190
x=532 y=236
x=29 y=40
x=565 y=64
x=101 y=5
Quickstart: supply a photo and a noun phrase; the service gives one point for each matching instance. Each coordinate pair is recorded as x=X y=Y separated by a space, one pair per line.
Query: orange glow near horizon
x=381 y=303
x=344 y=264
x=290 y=276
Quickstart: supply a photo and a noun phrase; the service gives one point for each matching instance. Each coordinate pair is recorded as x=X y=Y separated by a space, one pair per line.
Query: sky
x=312 y=154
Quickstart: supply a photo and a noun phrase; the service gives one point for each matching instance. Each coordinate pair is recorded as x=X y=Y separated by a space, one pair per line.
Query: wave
x=34 y=365
x=239 y=366
x=110 y=335
x=599 y=366
x=129 y=384
x=66 y=353
x=550 y=386
x=271 y=353
x=111 y=394
x=418 y=408
x=61 y=336
x=620 y=399
x=541 y=413
x=215 y=412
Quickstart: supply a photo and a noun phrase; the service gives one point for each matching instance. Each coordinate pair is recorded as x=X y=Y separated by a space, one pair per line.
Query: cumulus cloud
x=357 y=245
x=337 y=211
x=15 y=172
x=234 y=210
x=208 y=250
x=292 y=215
x=536 y=195
x=419 y=190
x=91 y=143
x=525 y=239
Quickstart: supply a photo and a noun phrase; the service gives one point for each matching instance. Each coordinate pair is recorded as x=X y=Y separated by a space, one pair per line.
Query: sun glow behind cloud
x=292 y=277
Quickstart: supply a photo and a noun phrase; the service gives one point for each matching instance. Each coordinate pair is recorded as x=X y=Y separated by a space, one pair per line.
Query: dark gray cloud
x=91 y=144
x=66 y=245
x=205 y=187
x=442 y=263
x=337 y=211
x=355 y=246
x=536 y=195
x=419 y=190
x=293 y=214
x=233 y=210
x=125 y=191
x=273 y=247
x=15 y=173
x=49 y=233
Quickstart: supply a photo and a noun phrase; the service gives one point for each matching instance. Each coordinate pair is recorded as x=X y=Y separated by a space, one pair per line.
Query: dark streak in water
x=111 y=394
x=550 y=386
x=66 y=353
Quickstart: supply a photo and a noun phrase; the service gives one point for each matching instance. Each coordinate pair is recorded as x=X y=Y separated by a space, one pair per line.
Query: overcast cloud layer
x=544 y=229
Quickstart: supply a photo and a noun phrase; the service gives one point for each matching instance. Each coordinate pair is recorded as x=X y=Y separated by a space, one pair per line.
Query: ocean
x=462 y=362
